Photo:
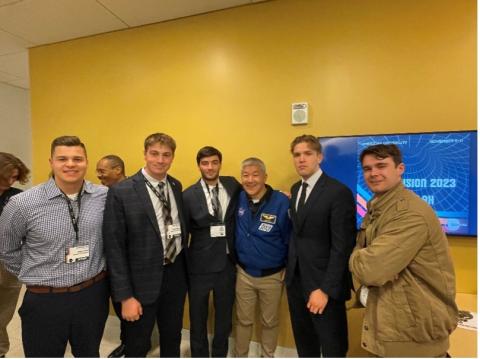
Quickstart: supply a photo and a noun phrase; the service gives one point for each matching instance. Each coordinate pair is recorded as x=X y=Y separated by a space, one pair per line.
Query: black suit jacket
x=323 y=238
x=133 y=243
x=206 y=254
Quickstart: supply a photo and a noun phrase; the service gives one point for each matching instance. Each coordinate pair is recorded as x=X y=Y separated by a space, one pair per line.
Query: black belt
x=263 y=272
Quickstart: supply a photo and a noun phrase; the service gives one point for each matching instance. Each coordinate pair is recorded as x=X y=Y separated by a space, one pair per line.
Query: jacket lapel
x=229 y=185
x=293 y=201
x=142 y=192
x=200 y=194
x=312 y=198
x=177 y=193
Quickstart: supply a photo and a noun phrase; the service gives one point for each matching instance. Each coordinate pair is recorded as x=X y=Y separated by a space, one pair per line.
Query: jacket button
x=364 y=344
x=365 y=327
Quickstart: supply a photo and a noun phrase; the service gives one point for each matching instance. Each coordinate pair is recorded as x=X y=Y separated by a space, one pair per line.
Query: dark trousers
x=317 y=335
x=117 y=306
x=51 y=320
x=223 y=286
x=167 y=311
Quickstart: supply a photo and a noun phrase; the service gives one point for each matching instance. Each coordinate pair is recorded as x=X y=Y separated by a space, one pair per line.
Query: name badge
x=217 y=231
x=75 y=254
x=174 y=230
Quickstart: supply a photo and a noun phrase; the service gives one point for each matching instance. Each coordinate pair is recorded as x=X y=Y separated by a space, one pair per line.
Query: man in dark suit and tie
x=145 y=234
x=318 y=280
x=209 y=212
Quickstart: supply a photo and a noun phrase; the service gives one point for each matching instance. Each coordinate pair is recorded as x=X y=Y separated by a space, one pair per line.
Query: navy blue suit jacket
x=206 y=254
x=132 y=238
x=323 y=238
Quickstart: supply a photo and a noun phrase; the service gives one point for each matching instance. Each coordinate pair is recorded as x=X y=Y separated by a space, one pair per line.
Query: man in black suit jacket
x=210 y=212
x=318 y=280
x=144 y=234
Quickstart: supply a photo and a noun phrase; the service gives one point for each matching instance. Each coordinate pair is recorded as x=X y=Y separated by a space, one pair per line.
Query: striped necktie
x=217 y=207
x=171 y=248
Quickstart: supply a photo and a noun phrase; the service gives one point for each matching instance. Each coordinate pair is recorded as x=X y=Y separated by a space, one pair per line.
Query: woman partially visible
x=11 y=170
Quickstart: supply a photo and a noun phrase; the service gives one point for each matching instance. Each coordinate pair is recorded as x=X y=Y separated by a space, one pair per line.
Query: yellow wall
x=228 y=79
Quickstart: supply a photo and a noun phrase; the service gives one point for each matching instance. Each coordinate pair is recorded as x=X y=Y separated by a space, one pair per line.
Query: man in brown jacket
x=403 y=263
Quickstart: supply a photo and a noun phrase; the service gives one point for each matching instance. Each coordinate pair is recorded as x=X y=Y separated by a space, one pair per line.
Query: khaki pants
x=268 y=291
x=9 y=291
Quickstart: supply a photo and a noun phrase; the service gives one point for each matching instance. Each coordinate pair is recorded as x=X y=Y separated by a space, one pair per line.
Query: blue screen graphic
x=440 y=167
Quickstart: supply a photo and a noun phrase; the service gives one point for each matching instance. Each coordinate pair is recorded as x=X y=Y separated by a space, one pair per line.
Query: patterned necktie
x=171 y=248
x=217 y=208
x=303 y=195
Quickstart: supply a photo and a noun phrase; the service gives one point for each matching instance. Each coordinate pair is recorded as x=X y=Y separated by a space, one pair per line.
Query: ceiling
x=29 y=23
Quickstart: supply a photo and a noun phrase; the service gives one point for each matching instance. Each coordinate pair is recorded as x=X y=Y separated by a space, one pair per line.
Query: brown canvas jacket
x=402 y=256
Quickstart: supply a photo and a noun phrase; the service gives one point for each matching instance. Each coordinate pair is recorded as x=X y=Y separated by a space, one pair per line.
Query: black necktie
x=217 y=208
x=171 y=248
x=303 y=194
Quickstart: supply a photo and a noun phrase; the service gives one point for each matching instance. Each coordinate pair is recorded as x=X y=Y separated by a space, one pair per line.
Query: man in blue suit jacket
x=144 y=234
x=318 y=279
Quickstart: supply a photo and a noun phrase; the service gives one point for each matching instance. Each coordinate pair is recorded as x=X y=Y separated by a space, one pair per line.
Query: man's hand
x=317 y=301
x=131 y=309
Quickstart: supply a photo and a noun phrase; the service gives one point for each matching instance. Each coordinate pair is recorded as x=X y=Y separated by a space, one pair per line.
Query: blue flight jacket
x=262 y=239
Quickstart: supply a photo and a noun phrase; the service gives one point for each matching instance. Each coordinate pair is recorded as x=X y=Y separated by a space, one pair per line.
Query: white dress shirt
x=311 y=181
x=222 y=197
x=157 y=206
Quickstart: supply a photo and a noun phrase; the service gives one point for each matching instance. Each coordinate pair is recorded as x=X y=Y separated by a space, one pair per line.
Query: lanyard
x=165 y=200
x=74 y=220
x=209 y=193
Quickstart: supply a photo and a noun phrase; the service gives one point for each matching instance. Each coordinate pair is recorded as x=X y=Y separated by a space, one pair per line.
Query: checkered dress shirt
x=36 y=231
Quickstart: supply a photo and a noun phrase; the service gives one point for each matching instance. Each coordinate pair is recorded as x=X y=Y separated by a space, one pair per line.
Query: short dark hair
x=310 y=139
x=161 y=138
x=382 y=151
x=115 y=161
x=9 y=163
x=69 y=141
x=208 y=151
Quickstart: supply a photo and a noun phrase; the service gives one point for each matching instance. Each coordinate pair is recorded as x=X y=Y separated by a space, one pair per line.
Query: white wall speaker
x=299 y=113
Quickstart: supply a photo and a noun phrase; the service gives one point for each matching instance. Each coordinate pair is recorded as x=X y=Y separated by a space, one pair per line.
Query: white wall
x=15 y=125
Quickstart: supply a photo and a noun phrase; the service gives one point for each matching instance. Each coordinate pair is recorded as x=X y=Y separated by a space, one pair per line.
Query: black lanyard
x=75 y=220
x=165 y=199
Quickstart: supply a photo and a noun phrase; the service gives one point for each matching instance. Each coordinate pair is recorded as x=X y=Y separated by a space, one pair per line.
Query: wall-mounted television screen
x=441 y=167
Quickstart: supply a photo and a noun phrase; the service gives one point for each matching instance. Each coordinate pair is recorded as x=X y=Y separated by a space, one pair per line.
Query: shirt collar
x=255 y=206
x=152 y=180
x=205 y=185
x=312 y=180
x=53 y=191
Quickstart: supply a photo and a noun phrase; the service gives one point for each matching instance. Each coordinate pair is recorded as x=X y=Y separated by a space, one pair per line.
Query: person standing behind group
x=110 y=171
x=51 y=239
x=318 y=280
x=145 y=234
x=262 y=235
x=403 y=262
x=12 y=170
x=210 y=213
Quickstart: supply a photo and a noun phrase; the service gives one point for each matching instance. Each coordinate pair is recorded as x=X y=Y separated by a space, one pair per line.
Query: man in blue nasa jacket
x=262 y=234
